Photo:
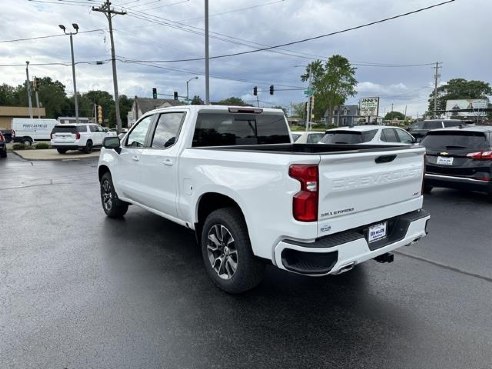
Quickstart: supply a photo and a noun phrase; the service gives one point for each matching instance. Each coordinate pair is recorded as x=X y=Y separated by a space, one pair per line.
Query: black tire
x=27 y=141
x=88 y=147
x=61 y=151
x=231 y=246
x=427 y=189
x=3 y=154
x=112 y=206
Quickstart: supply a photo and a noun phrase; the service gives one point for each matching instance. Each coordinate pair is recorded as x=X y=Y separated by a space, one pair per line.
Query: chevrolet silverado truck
x=252 y=197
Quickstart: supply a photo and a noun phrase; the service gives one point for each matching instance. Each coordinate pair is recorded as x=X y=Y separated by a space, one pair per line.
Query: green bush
x=19 y=146
x=42 y=146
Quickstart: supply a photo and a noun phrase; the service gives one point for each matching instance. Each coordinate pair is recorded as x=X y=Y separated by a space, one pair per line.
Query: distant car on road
x=3 y=146
x=307 y=137
x=79 y=136
x=420 y=129
x=459 y=158
x=368 y=134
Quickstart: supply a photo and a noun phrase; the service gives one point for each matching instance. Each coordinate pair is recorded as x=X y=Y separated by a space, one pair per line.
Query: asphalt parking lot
x=79 y=290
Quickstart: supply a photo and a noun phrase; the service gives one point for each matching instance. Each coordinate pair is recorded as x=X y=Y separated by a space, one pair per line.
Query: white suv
x=80 y=136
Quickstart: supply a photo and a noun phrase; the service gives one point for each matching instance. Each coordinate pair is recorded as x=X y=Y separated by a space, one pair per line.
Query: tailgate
x=366 y=183
x=64 y=137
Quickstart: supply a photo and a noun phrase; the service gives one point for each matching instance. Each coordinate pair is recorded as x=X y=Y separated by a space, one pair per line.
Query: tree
x=331 y=82
x=197 y=100
x=232 y=101
x=299 y=110
x=457 y=89
x=280 y=107
x=394 y=115
x=52 y=97
x=7 y=95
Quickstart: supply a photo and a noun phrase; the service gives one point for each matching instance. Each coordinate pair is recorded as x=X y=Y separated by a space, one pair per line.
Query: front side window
x=315 y=137
x=167 y=129
x=137 y=136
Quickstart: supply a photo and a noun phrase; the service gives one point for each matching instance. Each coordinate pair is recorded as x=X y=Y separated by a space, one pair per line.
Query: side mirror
x=112 y=143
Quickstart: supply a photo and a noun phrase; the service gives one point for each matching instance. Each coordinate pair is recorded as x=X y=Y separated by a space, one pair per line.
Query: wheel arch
x=103 y=169
x=210 y=202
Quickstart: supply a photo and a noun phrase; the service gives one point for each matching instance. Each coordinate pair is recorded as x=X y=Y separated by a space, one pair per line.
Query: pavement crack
x=444 y=266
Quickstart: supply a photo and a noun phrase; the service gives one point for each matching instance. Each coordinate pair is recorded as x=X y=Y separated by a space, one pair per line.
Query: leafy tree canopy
x=332 y=83
x=197 y=100
x=394 y=115
x=457 y=89
x=232 y=101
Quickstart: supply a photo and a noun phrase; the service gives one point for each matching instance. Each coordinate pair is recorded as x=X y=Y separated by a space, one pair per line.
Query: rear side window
x=450 y=123
x=315 y=137
x=167 y=130
x=229 y=129
x=432 y=125
x=348 y=137
x=82 y=129
x=455 y=140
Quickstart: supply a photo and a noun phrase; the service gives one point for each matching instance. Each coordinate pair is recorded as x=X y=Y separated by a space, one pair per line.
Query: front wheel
x=427 y=189
x=113 y=207
x=226 y=252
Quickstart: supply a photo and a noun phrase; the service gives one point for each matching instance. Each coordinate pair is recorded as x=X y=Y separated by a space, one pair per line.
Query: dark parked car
x=420 y=129
x=8 y=134
x=459 y=158
x=3 y=146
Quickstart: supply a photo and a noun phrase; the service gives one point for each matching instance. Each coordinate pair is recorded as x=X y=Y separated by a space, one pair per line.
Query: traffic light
x=311 y=103
x=99 y=114
x=271 y=89
x=154 y=93
x=255 y=91
x=175 y=95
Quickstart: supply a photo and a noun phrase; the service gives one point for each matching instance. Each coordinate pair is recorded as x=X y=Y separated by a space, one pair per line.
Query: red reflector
x=305 y=202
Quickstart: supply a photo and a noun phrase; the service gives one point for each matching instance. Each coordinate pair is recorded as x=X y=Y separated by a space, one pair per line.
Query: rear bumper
x=459 y=183
x=339 y=252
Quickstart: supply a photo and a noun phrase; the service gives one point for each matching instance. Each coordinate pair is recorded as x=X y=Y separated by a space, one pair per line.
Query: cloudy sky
x=156 y=39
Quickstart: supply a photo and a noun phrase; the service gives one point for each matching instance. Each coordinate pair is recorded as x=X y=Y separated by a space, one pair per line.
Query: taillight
x=77 y=135
x=481 y=155
x=305 y=202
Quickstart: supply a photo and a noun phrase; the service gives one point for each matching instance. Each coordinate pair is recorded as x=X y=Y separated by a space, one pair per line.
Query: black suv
x=459 y=158
x=420 y=129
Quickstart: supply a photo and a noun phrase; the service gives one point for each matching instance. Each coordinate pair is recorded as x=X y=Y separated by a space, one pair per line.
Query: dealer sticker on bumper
x=376 y=232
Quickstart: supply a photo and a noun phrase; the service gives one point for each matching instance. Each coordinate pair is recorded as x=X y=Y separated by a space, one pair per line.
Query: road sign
x=308 y=92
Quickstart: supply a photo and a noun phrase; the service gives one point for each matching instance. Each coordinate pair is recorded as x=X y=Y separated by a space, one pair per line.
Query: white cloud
x=440 y=34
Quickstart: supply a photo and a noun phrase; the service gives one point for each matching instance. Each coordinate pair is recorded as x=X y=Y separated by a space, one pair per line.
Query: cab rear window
x=229 y=129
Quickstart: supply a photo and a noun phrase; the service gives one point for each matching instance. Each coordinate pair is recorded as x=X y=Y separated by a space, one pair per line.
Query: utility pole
x=28 y=86
x=436 y=76
x=109 y=13
x=207 y=71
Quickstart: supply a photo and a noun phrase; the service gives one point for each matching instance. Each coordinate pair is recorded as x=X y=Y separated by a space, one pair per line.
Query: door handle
x=168 y=162
x=135 y=157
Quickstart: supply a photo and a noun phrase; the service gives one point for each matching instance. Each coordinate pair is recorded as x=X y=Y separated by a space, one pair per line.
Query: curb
x=53 y=155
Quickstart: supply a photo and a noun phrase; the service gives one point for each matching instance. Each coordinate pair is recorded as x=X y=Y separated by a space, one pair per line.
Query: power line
x=269 y=48
x=49 y=36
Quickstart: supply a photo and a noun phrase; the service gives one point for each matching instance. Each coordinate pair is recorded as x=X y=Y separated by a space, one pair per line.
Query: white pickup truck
x=233 y=176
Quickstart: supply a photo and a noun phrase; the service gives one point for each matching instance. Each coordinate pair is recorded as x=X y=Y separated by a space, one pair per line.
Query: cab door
x=159 y=164
x=127 y=173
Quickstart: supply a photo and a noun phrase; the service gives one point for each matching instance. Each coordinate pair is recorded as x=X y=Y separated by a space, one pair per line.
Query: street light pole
x=187 y=89
x=76 y=27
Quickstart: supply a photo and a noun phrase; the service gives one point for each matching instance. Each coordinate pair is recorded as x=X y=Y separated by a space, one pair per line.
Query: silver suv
x=81 y=136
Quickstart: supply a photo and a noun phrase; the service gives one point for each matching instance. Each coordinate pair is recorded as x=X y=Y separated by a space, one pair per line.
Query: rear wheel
x=113 y=207
x=27 y=141
x=61 y=151
x=88 y=147
x=226 y=252
x=3 y=154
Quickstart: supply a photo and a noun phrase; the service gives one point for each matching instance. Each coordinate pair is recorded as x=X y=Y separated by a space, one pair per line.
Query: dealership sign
x=369 y=106
x=467 y=107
